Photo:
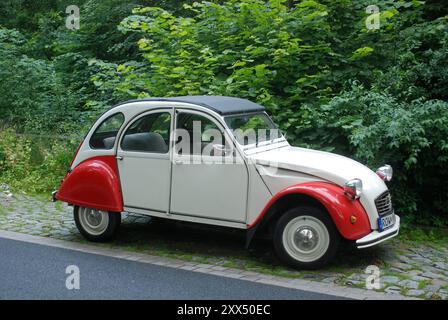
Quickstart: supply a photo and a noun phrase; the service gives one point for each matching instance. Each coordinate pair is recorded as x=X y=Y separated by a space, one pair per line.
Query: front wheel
x=96 y=225
x=306 y=238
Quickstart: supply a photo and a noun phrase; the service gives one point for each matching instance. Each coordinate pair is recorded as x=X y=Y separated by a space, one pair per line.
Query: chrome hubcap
x=306 y=238
x=94 y=217
x=95 y=222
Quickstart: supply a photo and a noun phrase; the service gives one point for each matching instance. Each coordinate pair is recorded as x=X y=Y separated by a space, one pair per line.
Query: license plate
x=386 y=222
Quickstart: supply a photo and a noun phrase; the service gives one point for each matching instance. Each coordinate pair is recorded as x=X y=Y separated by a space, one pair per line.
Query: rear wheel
x=306 y=238
x=96 y=225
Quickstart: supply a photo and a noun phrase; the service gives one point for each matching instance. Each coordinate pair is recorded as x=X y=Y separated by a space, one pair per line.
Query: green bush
x=34 y=165
x=249 y=48
x=377 y=95
x=376 y=129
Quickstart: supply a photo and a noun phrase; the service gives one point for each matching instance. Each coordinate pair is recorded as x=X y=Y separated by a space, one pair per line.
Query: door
x=209 y=179
x=143 y=158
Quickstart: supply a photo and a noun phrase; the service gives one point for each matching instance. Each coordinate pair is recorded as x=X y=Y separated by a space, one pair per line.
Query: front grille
x=383 y=203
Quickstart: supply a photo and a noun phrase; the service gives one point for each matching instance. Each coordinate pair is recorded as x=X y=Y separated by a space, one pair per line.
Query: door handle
x=119 y=158
x=178 y=162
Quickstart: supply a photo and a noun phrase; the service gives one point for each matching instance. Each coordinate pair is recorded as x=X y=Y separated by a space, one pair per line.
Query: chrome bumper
x=376 y=237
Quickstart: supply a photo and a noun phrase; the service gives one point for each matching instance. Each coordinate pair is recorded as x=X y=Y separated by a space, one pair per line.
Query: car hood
x=328 y=167
x=325 y=165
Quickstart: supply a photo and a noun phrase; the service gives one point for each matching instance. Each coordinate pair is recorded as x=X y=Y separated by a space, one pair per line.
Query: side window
x=194 y=133
x=106 y=133
x=150 y=133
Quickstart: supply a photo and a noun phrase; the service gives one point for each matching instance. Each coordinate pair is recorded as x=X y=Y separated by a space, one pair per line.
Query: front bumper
x=376 y=237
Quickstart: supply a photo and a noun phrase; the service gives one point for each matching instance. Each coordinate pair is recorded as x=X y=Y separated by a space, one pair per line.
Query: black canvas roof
x=220 y=104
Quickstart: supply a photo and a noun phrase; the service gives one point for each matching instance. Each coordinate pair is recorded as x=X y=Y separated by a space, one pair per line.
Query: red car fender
x=339 y=207
x=94 y=183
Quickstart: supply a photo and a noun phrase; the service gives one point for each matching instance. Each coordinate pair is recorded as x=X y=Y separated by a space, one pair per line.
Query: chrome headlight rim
x=385 y=172
x=353 y=189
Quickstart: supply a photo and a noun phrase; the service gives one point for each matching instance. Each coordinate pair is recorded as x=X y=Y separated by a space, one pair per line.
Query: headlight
x=353 y=189
x=385 y=172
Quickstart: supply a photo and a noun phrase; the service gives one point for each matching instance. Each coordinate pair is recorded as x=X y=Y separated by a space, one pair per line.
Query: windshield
x=252 y=128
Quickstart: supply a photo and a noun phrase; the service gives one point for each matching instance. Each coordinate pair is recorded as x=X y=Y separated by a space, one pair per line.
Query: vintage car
x=222 y=161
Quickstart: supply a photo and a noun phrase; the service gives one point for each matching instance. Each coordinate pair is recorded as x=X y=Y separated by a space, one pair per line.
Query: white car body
x=165 y=185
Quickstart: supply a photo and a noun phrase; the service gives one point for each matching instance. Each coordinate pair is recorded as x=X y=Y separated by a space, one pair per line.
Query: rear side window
x=106 y=133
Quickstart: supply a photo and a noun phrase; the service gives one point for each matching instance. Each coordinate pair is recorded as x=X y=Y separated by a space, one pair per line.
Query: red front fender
x=339 y=207
x=95 y=184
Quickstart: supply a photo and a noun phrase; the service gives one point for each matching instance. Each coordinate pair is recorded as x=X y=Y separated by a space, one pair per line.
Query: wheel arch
x=285 y=203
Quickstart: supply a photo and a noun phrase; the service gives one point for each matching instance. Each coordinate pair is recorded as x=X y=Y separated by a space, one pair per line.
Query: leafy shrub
x=33 y=164
x=421 y=65
x=379 y=95
x=34 y=98
x=245 y=48
x=376 y=129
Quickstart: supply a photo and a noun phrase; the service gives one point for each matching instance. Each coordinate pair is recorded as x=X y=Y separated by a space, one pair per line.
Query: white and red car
x=221 y=161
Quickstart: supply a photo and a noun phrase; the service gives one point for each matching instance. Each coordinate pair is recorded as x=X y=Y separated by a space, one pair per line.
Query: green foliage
x=33 y=164
x=376 y=128
x=33 y=95
x=238 y=49
x=421 y=67
x=330 y=83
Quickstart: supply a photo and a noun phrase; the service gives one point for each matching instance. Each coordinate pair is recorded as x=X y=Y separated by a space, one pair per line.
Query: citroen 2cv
x=222 y=161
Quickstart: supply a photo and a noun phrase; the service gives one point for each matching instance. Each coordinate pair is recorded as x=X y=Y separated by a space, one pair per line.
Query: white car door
x=202 y=185
x=143 y=157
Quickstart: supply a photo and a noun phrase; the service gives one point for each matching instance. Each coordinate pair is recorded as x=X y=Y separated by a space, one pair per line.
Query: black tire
x=324 y=251
x=110 y=229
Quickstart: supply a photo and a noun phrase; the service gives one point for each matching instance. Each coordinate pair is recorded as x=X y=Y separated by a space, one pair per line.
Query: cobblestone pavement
x=411 y=269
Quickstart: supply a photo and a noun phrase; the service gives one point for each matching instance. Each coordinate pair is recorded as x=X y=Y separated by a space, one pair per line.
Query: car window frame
x=222 y=127
x=99 y=126
x=169 y=111
x=245 y=147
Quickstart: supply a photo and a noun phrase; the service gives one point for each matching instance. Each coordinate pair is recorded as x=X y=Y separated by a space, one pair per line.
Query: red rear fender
x=94 y=183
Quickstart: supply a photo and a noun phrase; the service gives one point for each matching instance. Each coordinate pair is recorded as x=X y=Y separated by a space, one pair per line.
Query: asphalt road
x=32 y=271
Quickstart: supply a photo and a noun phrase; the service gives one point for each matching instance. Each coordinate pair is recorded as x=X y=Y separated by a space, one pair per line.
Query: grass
x=58 y=206
x=419 y=233
x=423 y=283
